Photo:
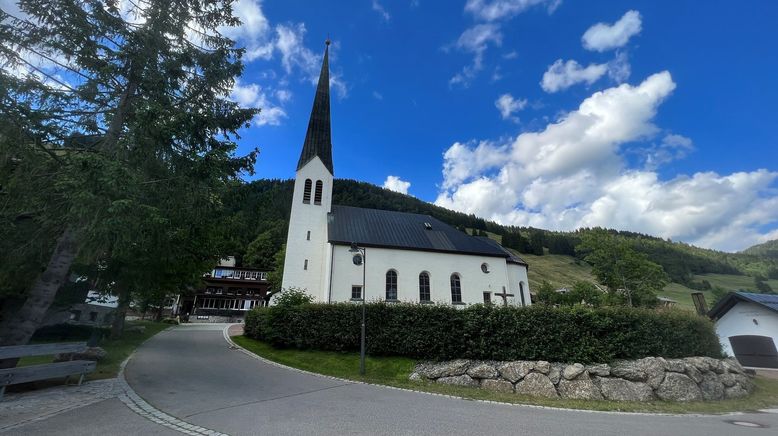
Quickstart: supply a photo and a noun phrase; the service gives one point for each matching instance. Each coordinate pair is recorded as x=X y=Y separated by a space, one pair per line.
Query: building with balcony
x=229 y=293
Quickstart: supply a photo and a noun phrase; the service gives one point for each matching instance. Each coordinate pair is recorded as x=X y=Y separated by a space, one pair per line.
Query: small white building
x=747 y=326
x=403 y=256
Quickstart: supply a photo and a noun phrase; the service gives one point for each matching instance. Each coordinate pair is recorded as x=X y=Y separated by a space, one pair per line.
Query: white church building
x=403 y=256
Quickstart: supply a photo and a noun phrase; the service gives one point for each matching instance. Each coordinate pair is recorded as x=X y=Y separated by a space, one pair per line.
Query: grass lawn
x=394 y=371
x=118 y=350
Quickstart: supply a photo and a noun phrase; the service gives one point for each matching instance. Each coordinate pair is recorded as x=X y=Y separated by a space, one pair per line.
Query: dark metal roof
x=318 y=138
x=405 y=231
x=770 y=301
x=512 y=258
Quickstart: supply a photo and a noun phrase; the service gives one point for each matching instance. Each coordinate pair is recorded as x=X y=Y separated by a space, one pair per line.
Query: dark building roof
x=406 y=231
x=318 y=138
x=768 y=301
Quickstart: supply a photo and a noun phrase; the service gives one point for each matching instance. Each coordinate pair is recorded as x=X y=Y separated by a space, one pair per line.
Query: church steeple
x=318 y=139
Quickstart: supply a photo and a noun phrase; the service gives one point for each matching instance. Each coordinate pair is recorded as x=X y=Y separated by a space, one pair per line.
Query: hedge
x=572 y=334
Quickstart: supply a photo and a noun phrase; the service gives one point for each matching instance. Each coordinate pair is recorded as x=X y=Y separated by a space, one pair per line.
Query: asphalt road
x=191 y=373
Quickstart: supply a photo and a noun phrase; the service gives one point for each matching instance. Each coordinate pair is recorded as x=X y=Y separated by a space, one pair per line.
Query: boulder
x=415 y=376
x=497 y=385
x=678 y=387
x=482 y=370
x=515 y=371
x=675 y=365
x=701 y=363
x=459 y=380
x=555 y=372
x=572 y=371
x=711 y=387
x=602 y=370
x=582 y=388
x=91 y=353
x=730 y=364
x=542 y=366
x=735 y=392
x=537 y=385
x=744 y=381
x=694 y=373
x=727 y=379
x=443 y=369
x=650 y=370
x=715 y=365
x=618 y=389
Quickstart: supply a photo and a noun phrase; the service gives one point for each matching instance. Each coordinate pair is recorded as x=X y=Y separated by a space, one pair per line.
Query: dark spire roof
x=318 y=141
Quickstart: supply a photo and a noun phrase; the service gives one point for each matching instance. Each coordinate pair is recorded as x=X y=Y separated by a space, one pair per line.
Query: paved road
x=191 y=373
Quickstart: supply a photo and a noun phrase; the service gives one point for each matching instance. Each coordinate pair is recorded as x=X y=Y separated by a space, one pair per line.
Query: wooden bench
x=24 y=374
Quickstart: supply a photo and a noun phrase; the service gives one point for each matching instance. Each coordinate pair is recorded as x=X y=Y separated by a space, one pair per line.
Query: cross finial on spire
x=327 y=41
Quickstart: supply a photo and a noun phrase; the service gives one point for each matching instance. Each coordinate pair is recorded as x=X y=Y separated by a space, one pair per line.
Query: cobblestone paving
x=17 y=409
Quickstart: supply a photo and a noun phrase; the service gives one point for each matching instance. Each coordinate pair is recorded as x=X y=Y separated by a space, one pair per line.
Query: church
x=342 y=253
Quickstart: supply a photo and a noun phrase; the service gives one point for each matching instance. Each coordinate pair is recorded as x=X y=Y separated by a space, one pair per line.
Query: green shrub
x=566 y=334
x=174 y=321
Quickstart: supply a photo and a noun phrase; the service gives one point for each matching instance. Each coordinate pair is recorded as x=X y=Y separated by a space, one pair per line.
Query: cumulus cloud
x=394 y=183
x=604 y=36
x=252 y=95
x=573 y=174
x=498 y=9
x=508 y=105
x=562 y=75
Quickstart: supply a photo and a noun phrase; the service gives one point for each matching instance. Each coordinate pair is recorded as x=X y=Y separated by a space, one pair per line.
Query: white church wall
x=311 y=218
x=740 y=321
x=409 y=264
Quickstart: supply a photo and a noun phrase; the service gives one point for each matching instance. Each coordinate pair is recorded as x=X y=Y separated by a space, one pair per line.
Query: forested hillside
x=256 y=229
x=767 y=249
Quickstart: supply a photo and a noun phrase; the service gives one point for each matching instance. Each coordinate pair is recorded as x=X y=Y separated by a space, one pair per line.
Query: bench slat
x=41 y=349
x=24 y=374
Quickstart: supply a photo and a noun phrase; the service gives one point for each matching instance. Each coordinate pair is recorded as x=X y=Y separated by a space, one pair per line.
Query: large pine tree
x=118 y=114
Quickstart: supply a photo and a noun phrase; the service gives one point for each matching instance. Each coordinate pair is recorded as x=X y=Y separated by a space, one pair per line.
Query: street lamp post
x=361 y=259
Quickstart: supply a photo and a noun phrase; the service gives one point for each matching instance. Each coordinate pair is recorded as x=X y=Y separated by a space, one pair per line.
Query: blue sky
x=649 y=116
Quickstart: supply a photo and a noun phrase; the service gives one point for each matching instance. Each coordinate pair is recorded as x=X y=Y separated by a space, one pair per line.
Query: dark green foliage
x=762 y=286
x=536 y=242
x=515 y=241
x=293 y=297
x=487 y=332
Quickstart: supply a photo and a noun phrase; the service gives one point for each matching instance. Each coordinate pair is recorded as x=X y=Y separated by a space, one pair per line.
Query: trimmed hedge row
x=571 y=334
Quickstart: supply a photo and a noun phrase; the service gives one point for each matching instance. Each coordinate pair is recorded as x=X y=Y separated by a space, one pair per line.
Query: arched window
x=391 y=285
x=424 y=286
x=521 y=293
x=307 y=191
x=456 y=289
x=317 y=197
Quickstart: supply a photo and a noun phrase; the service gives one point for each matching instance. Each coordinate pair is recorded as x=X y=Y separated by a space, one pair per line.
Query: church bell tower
x=306 y=243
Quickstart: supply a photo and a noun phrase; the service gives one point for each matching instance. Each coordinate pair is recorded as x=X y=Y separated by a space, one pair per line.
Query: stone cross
x=504 y=296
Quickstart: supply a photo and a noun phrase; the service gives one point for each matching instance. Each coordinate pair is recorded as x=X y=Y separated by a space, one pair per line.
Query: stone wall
x=648 y=379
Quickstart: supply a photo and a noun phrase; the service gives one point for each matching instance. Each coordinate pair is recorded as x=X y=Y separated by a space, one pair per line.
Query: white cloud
x=672 y=147
x=252 y=95
x=498 y=9
x=562 y=75
x=603 y=36
x=508 y=105
x=475 y=41
x=573 y=174
x=394 y=183
x=377 y=95
x=381 y=10
x=619 y=68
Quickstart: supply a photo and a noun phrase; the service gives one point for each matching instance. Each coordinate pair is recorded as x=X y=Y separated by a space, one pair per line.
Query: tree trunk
x=19 y=328
x=117 y=328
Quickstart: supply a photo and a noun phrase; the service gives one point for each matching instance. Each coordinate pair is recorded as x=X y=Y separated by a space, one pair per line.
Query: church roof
x=406 y=231
x=318 y=138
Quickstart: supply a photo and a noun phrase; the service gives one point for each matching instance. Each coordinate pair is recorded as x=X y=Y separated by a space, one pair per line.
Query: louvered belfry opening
x=307 y=191
x=317 y=196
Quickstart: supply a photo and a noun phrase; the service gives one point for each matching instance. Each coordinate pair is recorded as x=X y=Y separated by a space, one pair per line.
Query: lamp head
x=354 y=248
